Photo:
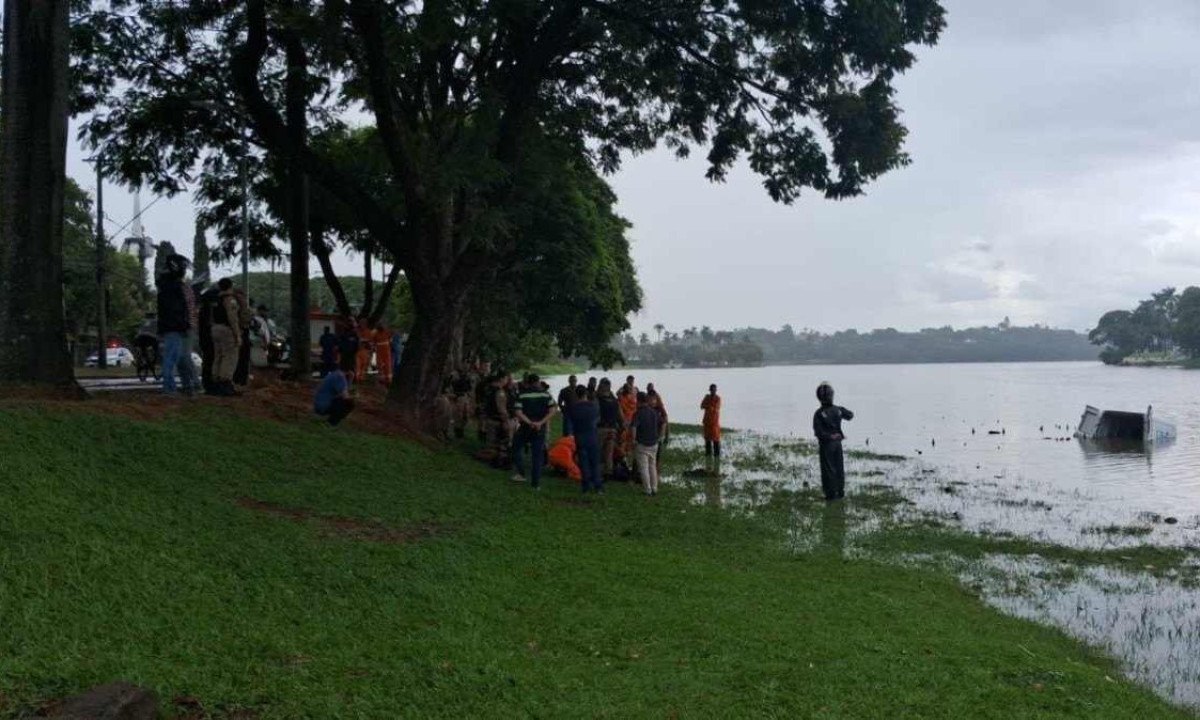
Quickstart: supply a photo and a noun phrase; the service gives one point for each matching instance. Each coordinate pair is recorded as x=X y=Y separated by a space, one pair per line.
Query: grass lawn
x=283 y=570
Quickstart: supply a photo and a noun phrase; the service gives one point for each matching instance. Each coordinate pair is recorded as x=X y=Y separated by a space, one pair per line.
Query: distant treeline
x=1167 y=324
x=755 y=346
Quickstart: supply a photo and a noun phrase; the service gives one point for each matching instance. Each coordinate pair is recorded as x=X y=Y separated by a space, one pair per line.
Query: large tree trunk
x=297 y=126
x=33 y=146
x=440 y=314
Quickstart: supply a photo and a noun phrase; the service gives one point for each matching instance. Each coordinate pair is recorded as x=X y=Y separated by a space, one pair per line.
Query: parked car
x=115 y=357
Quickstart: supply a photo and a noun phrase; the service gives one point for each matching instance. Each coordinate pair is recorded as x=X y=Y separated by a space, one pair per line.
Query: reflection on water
x=1152 y=625
x=833 y=528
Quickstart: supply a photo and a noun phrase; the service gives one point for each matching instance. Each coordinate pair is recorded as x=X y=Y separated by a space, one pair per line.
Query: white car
x=115 y=357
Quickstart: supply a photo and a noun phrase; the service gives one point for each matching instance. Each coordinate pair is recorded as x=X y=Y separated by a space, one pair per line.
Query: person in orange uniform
x=711 y=405
x=627 y=400
x=366 y=344
x=383 y=353
x=562 y=458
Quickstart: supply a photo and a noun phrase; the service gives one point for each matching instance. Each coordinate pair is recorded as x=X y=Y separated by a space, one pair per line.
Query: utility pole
x=101 y=279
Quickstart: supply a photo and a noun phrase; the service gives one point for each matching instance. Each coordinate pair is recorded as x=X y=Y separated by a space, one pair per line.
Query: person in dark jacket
x=646 y=434
x=611 y=424
x=566 y=398
x=173 y=325
x=208 y=301
x=827 y=425
x=348 y=343
x=585 y=426
x=329 y=347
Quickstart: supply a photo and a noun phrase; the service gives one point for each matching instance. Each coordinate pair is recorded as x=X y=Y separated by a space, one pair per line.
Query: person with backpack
x=827 y=426
x=174 y=321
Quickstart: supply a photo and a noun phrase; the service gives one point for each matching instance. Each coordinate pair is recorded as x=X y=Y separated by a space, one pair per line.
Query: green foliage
x=751 y=346
x=1187 y=321
x=503 y=603
x=463 y=94
x=569 y=283
x=129 y=297
x=1159 y=325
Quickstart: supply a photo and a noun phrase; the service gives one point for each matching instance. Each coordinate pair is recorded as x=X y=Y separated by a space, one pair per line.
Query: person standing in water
x=711 y=405
x=827 y=425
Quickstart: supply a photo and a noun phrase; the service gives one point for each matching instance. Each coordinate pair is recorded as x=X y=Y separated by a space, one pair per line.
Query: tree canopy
x=1153 y=326
x=464 y=96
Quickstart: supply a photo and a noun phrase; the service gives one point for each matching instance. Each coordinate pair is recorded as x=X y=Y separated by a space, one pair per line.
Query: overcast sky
x=1055 y=175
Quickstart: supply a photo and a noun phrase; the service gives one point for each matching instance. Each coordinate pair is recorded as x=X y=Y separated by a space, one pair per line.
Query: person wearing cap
x=827 y=426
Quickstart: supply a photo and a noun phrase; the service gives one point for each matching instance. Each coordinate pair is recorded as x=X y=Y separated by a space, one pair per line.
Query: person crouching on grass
x=827 y=425
x=333 y=400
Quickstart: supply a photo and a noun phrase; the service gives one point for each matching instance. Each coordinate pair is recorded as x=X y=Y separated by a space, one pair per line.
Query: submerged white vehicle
x=1097 y=424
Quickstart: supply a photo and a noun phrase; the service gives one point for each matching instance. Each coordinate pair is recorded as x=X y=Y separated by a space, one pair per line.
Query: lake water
x=929 y=412
x=1030 y=480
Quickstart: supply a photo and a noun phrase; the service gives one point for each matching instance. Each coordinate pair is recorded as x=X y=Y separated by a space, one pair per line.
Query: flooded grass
x=1128 y=584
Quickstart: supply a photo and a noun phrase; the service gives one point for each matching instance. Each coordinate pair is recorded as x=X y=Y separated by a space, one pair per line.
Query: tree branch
x=273 y=133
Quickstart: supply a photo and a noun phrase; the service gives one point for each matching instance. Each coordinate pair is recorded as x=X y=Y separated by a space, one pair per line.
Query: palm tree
x=658 y=328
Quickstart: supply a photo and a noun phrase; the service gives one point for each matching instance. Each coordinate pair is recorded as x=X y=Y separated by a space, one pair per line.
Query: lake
x=1033 y=480
x=929 y=412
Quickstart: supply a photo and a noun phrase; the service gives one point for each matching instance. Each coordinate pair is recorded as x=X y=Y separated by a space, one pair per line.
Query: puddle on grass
x=1150 y=624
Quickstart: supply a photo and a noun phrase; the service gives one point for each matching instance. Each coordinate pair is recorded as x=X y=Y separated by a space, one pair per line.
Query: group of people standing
x=355 y=343
x=215 y=320
x=607 y=434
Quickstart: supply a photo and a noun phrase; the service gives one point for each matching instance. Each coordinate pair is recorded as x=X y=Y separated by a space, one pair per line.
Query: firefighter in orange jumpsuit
x=627 y=399
x=711 y=405
x=562 y=458
x=366 y=343
x=383 y=353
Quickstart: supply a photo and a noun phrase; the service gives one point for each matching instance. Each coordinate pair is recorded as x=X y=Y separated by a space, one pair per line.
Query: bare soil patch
x=350 y=528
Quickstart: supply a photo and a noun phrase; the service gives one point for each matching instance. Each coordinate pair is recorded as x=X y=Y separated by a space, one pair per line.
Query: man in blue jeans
x=585 y=425
x=533 y=409
x=333 y=401
x=174 y=322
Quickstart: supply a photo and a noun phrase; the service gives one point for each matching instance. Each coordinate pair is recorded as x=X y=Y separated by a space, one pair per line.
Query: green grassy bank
x=272 y=570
